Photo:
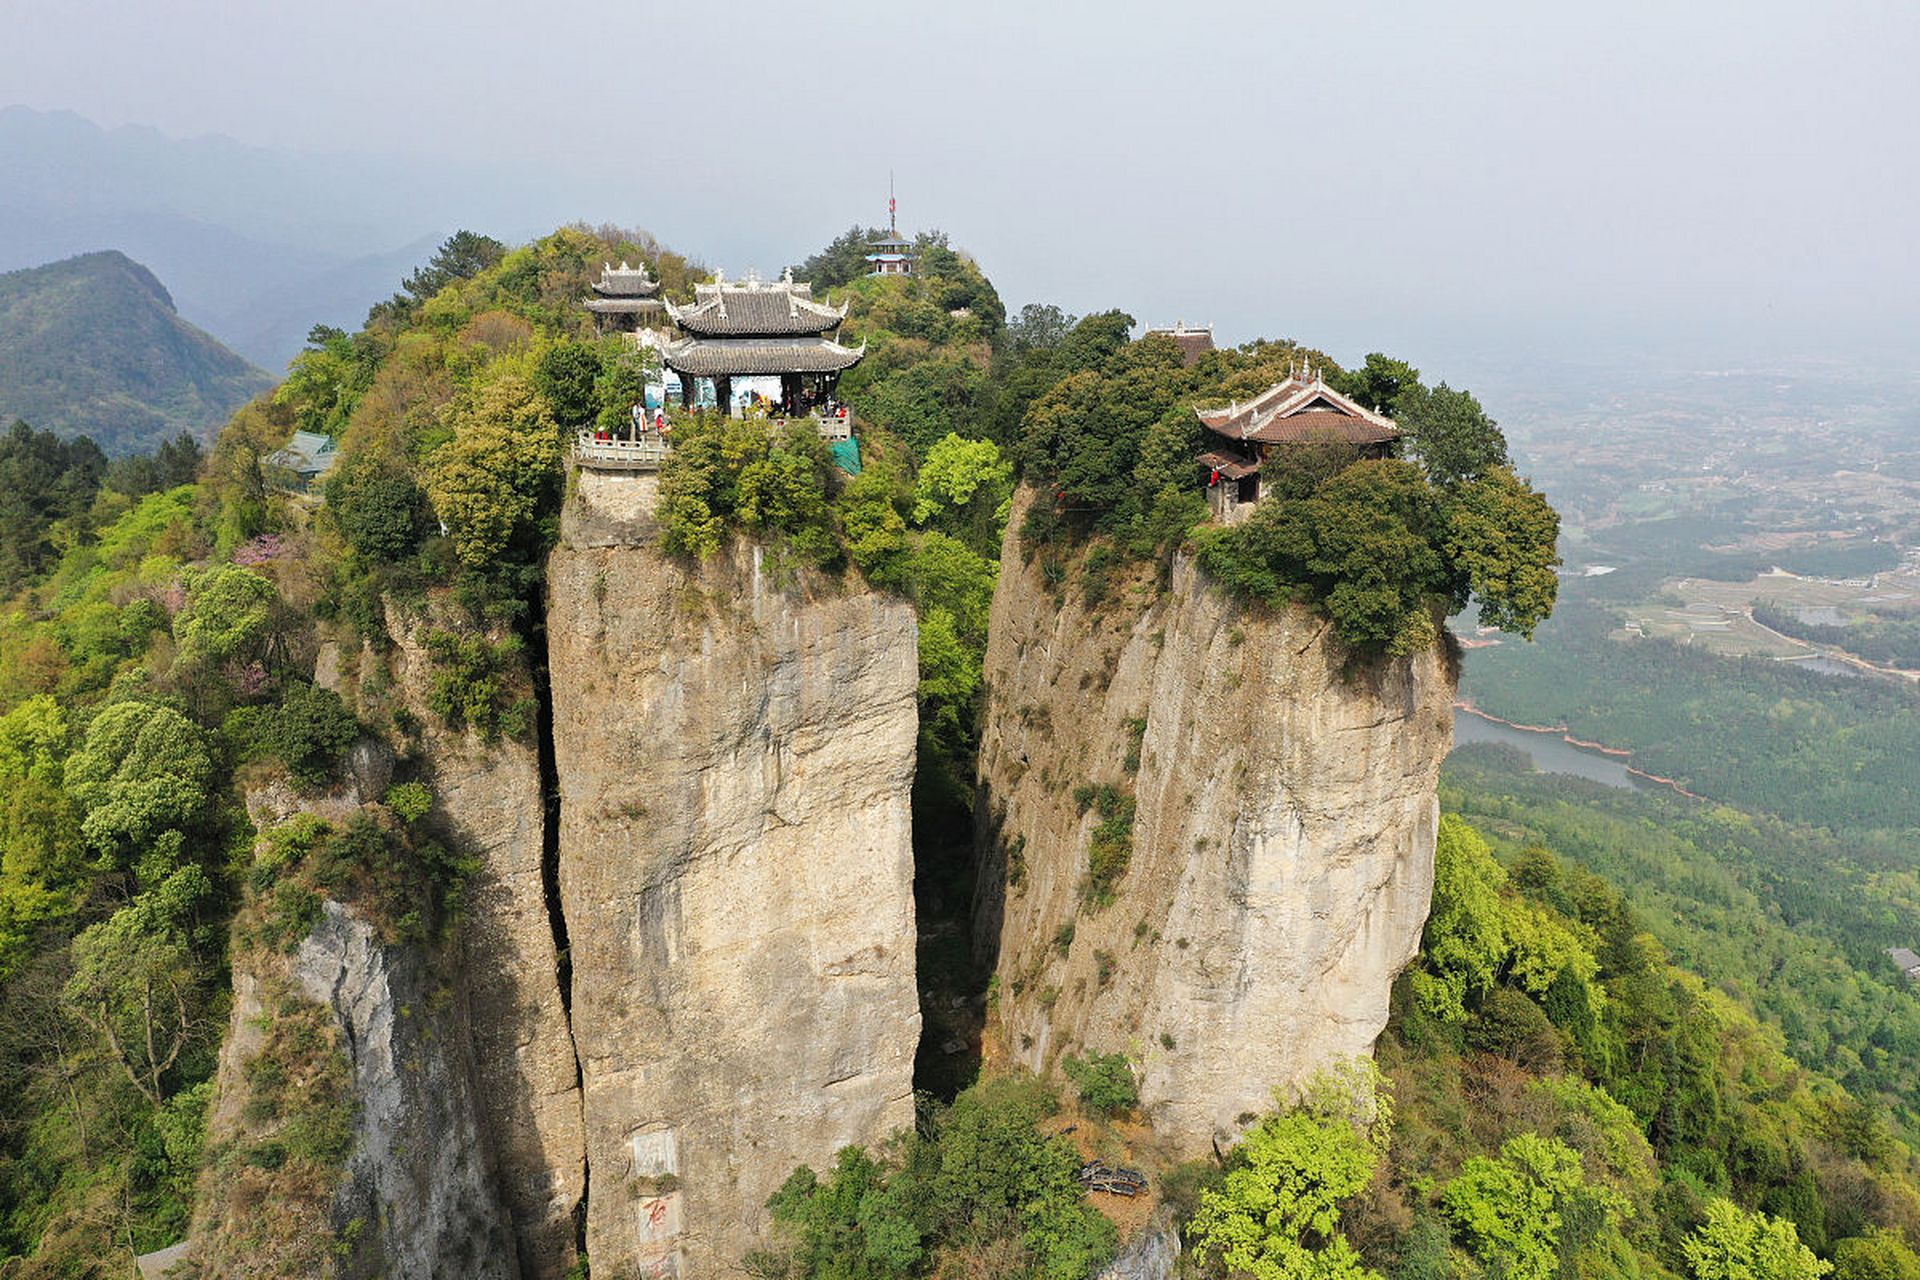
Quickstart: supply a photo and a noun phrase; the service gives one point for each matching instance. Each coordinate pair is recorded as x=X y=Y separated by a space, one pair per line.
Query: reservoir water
x=1549 y=752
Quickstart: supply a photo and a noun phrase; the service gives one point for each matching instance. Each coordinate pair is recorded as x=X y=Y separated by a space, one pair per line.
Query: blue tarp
x=846 y=455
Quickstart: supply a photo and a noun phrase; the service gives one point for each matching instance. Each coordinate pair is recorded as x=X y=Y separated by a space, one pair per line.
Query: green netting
x=846 y=455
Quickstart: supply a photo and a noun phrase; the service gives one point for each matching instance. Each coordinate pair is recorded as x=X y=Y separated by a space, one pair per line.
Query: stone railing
x=835 y=427
x=648 y=452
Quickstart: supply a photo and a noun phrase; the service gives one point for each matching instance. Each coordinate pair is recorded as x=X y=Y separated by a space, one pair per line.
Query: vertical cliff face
x=734 y=749
x=490 y=802
x=416 y=1196
x=1282 y=838
x=346 y=1138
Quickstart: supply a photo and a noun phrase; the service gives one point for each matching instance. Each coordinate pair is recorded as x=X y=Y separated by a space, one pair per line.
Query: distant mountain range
x=93 y=345
x=256 y=245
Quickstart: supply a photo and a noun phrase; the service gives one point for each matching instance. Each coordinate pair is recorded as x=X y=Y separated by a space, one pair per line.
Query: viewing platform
x=647 y=450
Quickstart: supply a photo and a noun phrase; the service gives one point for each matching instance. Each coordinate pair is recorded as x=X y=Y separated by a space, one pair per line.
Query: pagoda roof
x=754 y=357
x=624 y=281
x=890 y=241
x=755 y=309
x=1299 y=409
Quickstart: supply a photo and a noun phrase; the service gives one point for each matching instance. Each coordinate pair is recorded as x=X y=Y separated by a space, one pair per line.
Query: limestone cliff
x=416 y=1197
x=1282 y=837
x=735 y=748
x=345 y=1139
x=490 y=803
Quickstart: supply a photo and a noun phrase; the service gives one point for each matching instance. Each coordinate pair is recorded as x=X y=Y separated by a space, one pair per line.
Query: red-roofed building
x=1194 y=341
x=1303 y=409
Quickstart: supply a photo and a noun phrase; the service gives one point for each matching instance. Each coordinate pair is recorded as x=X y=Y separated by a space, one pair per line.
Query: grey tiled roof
x=756 y=310
x=624 y=281
x=743 y=357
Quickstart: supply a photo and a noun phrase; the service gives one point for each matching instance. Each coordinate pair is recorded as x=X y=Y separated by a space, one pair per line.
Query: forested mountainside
x=93 y=346
x=262 y=750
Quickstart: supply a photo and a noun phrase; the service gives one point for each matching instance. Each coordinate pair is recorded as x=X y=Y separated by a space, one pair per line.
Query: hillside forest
x=1585 y=1074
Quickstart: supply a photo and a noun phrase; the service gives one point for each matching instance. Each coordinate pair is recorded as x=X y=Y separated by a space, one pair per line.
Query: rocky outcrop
x=735 y=747
x=417 y=1177
x=415 y=1195
x=489 y=803
x=1281 y=840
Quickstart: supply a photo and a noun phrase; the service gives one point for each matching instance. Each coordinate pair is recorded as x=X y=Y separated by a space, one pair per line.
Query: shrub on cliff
x=739 y=471
x=477 y=683
x=977 y=1190
x=1105 y=1082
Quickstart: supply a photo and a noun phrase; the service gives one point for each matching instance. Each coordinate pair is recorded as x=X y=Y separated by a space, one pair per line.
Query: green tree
x=844 y=259
x=43 y=479
x=1039 y=325
x=326 y=381
x=377 y=507
x=309 y=730
x=567 y=375
x=964 y=487
x=1465 y=941
x=1502 y=535
x=1735 y=1244
x=1511 y=1212
x=226 y=616
x=852 y=1226
x=499 y=473
x=1276 y=1216
x=621 y=386
x=993 y=1163
x=135 y=985
x=461 y=256
x=1451 y=434
x=1379 y=383
x=143 y=770
x=1878 y=1255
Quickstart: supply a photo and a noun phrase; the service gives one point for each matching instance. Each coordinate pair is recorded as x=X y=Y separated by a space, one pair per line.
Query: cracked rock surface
x=1283 y=839
x=734 y=747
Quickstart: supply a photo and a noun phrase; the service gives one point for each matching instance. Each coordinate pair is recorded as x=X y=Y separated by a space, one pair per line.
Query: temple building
x=623 y=298
x=1194 y=341
x=753 y=329
x=891 y=255
x=1301 y=410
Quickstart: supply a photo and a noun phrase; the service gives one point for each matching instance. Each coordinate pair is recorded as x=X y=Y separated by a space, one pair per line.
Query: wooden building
x=1302 y=410
x=754 y=329
x=623 y=298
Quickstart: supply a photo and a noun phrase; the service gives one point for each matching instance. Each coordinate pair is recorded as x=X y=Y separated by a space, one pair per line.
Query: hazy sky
x=1728 y=177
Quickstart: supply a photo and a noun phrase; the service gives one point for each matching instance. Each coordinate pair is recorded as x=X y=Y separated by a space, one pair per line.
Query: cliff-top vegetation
x=157 y=651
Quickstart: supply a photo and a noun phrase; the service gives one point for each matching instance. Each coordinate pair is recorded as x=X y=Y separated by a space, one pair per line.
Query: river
x=1549 y=752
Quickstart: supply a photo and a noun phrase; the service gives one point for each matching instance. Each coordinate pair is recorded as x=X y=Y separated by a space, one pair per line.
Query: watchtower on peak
x=892 y=255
